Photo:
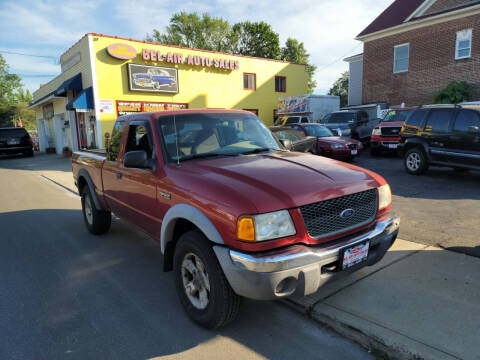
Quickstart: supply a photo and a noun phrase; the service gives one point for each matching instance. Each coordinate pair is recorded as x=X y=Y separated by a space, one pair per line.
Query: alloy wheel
x=195 y=281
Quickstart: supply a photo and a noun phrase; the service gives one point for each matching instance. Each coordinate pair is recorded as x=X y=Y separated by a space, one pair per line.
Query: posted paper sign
x=106 y=106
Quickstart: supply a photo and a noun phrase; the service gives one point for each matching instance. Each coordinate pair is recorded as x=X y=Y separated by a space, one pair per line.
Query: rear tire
x=203 y=290
x=415 y=161
x=97 y=221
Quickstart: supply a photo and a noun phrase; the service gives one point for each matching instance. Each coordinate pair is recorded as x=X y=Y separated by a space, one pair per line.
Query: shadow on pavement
x=76 y=295
x=438 y=183
x=39 y=162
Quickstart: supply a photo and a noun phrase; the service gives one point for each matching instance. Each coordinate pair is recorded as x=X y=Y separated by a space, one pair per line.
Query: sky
x=48 y=28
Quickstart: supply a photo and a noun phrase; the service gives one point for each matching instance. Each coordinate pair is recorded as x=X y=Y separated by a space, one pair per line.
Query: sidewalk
x=418 y=302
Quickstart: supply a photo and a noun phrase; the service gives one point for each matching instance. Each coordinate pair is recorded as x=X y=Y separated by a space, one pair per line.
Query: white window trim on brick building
x=464 y=35
x=395 y=59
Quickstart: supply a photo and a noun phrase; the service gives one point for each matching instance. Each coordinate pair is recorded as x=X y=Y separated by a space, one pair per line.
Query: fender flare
x=84 y=173
x=416 y=142
x=192 y=214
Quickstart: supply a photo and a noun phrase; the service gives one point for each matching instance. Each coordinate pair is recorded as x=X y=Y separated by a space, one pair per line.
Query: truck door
x=112 y=187
x=464 y=143
x=140 y=185
x=436 y=133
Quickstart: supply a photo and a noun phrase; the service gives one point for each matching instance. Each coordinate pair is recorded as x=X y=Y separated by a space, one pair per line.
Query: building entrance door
x=82 y=130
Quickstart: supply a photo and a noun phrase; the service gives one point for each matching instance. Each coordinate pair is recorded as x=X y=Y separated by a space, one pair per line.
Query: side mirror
x=287 y=144
x=136 y=159
x=474 y=129
x=335 y=132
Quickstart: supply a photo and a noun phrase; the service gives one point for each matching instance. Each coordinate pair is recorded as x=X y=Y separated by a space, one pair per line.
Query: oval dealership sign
x=121 y=51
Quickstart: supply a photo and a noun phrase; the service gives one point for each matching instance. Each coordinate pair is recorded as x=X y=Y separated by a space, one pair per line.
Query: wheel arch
x=84 y=179
x=179 y=219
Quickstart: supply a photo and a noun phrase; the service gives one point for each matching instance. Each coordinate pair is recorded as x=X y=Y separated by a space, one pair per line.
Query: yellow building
x=104 y=77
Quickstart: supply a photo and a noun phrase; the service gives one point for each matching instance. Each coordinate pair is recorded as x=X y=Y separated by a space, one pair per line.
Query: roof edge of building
x=415 y=22
x=179 y=47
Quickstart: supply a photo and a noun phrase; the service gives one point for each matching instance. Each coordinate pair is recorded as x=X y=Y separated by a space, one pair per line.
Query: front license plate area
x=355 y=255
x=354 y=152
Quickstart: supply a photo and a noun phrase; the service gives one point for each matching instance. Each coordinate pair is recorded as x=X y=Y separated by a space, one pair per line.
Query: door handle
x=119 y=176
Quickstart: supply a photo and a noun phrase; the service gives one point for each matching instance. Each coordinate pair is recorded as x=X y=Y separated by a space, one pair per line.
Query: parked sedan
x=294 y=140
x=337 y=147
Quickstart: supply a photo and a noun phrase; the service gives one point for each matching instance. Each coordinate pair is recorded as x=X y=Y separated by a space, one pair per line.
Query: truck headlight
x=384 y=196
x=337 y=146
x=267 y=226
x=376 y=131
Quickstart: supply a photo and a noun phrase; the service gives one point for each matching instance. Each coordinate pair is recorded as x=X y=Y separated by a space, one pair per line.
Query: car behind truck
x=235 y=214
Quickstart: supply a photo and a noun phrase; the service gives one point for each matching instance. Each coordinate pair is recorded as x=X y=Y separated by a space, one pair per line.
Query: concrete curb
x=367 y=341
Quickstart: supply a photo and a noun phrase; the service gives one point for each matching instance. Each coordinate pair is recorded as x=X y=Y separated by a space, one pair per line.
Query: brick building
x=416 y=48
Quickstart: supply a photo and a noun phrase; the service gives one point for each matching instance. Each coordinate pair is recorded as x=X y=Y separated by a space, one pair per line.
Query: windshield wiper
x=204 y=155
x=258 y=150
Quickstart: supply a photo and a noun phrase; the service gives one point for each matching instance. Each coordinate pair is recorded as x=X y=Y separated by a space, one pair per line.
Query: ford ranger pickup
x=235 y=214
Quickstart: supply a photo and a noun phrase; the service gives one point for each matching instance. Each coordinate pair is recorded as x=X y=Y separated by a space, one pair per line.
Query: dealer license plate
x=392 y=146
x=355 y=254
x=354 y=152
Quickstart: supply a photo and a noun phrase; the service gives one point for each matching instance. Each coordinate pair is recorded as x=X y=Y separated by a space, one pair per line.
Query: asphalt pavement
x=440 y=208
x=67 y=294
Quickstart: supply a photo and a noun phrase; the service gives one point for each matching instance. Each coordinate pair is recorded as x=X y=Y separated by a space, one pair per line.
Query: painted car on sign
x=154 y=79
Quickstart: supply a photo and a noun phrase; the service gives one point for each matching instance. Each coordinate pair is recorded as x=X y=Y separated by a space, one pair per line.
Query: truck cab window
x=139 y=139
x=115 y=141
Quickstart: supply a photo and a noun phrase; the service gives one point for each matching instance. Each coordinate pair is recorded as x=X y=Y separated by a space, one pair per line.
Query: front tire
x=415 y=161
x=202 y=288
x=97 y=221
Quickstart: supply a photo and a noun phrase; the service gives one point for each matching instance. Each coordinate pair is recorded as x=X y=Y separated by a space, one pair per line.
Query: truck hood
x=267 y=182
x=391 y=123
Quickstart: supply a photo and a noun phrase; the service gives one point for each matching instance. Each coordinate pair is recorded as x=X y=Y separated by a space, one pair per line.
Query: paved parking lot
x=440 y=208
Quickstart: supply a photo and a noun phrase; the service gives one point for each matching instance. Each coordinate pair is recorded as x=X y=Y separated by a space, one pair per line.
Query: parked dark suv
x=442 y=136
x=15 y=141
x=351 y=124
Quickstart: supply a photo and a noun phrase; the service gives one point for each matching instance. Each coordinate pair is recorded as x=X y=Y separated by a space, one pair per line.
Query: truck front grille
x=391 y=130
x=324 y=218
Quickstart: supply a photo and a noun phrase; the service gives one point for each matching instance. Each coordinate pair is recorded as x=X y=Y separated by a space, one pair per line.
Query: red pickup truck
x=235 y=214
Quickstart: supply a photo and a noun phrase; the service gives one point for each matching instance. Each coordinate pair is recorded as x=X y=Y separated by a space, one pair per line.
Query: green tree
x=454 y=93
x=256 y=39
x=340 y=88
x=194 y=31
x=295 y=51
x=9 y=86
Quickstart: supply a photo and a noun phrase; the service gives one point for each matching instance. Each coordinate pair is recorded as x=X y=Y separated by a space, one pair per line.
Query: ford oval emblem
x=347 y=213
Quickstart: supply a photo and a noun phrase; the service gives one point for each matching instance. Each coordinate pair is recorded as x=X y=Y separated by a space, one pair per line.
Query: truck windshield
x=397 y=115
x=318 y=130
x=347 y=118
x=217 y=134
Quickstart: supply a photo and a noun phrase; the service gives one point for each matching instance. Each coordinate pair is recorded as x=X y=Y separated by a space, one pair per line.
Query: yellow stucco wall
x=200 y=87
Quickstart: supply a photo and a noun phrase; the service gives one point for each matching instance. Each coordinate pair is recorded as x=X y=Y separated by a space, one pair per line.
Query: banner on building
x=152 y=78
x=292 y=104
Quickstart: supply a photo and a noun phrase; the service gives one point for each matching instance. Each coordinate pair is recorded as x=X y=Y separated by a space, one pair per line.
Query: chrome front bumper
x=300 y=269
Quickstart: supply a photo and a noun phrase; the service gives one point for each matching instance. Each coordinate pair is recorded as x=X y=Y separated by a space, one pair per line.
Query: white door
x=59 y=131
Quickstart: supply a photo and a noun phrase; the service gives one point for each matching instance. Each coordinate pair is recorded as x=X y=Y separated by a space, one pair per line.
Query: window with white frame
x=463 y=47
x=400 y=58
